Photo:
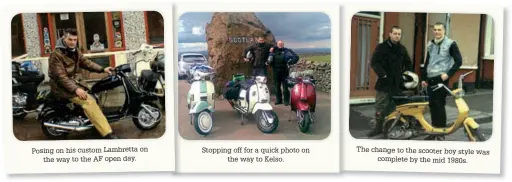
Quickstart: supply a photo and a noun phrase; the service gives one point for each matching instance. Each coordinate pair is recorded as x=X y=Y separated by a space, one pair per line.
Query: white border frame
x=354 y=161
x=325 y=154
x=18 y=155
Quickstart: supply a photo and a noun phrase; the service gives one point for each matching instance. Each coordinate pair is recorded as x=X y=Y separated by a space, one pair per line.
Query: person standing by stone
x=390 y=59
x=259 y=55
x=443 y=60
x=280 y=57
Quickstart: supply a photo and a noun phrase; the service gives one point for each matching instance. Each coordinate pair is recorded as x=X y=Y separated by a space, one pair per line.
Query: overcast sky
x=298 y=30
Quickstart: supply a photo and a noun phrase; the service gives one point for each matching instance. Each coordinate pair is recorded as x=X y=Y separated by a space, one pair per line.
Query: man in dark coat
x=259 y=52
x=390 y=59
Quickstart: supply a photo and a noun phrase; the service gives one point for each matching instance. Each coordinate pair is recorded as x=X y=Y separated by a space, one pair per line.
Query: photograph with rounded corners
x=88 y=75
x=421 y=76
x=254 y=75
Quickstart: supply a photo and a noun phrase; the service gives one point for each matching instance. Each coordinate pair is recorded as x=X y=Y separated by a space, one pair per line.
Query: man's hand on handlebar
x=108 y=70
x=424 y=84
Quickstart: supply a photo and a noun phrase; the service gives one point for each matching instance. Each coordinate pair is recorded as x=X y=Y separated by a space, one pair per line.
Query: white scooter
x=254 y=98
x=200 y=99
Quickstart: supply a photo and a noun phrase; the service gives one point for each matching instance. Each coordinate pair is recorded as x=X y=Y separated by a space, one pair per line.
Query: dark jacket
x=64 y=65
x=389 y=61
x=282 y=57
x=260 y=54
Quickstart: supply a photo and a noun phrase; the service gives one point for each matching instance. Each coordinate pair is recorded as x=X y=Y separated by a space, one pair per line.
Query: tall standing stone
x=227 y=35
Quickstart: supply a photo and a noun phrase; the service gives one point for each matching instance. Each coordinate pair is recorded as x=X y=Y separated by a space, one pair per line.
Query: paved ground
x=30 y=128
x=480 y=104
x=227 y=122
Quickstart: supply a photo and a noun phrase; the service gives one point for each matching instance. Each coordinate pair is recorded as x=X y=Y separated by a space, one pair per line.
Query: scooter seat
x=245 y=85
x=401 y=100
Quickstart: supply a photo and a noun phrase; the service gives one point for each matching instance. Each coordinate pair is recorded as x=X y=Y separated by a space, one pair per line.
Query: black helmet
x=158 y=65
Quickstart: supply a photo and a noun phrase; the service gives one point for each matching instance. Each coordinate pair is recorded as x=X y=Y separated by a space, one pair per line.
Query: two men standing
x=391 y=59
x=278 y=57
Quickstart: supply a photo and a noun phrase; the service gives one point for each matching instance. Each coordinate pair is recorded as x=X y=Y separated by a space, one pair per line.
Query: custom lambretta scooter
x=407 y=121
x=25 y=80
x=252 y=96
x=302 y=97
x=61 y=117
x=201 y=98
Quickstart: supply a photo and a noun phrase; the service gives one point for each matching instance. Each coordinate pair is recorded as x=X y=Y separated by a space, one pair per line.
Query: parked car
x=187 y=60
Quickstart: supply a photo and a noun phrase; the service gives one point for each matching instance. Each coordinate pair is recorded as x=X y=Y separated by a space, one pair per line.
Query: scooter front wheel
x=305 y=121
x=263 y=121
x=147 y=118
x=203 y=122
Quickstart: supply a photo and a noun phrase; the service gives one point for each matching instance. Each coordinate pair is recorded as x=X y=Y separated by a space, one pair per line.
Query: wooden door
x=365 y=37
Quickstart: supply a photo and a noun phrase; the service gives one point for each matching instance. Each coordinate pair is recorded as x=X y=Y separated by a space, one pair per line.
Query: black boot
x=279 y=101
x=376 y=130
x=112 y=136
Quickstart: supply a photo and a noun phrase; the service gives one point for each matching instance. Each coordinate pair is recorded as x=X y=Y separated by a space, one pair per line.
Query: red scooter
x=302 y=97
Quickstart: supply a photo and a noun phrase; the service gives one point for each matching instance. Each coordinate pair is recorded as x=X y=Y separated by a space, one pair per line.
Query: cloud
x=296 y=29
x=181 y=26
x=197 y=30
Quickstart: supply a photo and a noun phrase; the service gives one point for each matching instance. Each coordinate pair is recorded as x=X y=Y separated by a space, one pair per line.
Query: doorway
x=17 y=37
x=365 y=37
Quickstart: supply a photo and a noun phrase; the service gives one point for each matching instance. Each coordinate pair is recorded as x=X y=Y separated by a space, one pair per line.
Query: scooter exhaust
x=69 y=128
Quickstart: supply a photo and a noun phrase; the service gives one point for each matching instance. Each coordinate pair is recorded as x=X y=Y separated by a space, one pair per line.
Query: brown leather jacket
x=63 y=67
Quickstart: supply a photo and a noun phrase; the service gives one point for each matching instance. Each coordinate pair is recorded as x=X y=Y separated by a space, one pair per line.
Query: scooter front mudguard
x=303 y=106
x=201 y=106
x=261 y=106
x=470 y=122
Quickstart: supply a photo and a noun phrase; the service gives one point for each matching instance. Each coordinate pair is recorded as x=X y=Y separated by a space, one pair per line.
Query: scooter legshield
x=261 y=106
x=303 y=106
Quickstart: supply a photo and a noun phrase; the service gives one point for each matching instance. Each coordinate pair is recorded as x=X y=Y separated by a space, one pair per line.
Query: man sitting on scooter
x=64 y=63
x=280 y=57
x=390 y=59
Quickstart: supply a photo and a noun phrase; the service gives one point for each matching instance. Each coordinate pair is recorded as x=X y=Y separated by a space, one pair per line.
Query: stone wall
x=321 y=73
x=31 y=34
x=134 y=31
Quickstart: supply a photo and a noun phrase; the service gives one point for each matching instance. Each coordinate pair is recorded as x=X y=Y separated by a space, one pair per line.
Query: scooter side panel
x=294 y=96
x=210 y=91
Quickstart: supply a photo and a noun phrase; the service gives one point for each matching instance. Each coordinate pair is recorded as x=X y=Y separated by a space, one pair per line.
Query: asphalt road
x=227 y=122
x=30 y=128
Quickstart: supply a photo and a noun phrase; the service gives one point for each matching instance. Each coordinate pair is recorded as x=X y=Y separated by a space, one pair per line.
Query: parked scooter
x=61 y=117
x=302 y=97
x=251 y=96
x=151 y=66
x=201 y=99
x=407 y=121
x=26 y=78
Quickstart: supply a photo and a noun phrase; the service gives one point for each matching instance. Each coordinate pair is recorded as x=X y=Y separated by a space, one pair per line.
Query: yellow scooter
x=407 y=120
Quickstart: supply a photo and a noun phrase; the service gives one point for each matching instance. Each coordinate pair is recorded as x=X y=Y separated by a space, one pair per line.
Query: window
x=63 y=21
x=17 y=37
x=47 y=39
x=117 y=32
x=194 y=59
x=95 y=31
x=489 y=38
x=154 y=27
